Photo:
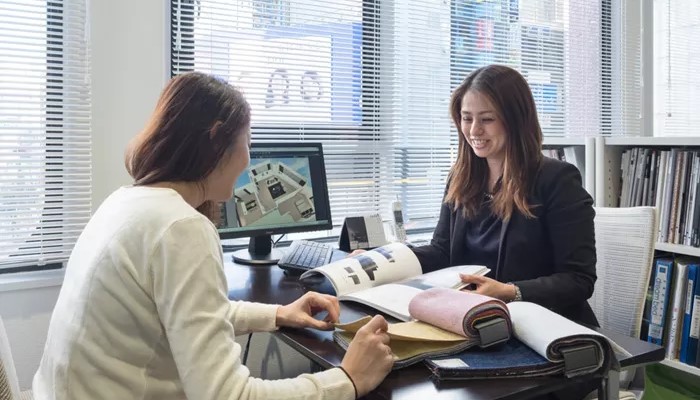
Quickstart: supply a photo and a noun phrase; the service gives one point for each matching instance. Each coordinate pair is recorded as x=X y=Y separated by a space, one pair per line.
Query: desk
x=270 y=285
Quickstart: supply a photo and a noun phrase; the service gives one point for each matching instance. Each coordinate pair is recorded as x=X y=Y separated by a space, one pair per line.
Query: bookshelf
x=675 y=364
x=588 y=144
x=552 y=141
x=678 y=249
x=608 y=155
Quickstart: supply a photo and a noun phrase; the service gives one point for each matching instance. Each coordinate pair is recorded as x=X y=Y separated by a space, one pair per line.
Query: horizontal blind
x=44 y=131
x=563 y=49
x=676 y=60
x=309 y=69
x=372 y=79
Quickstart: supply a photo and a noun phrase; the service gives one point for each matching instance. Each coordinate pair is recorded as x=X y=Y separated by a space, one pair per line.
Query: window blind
x=44 y=131
x=676 y=57
x=371 y=79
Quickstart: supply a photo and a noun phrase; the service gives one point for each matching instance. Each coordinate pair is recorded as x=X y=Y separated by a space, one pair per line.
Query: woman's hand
x=299 y=314
x=369 y=358
x=490 y=287
x=356 y=252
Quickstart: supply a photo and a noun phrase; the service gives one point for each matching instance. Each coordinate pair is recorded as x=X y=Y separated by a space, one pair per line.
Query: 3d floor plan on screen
x=272 y=192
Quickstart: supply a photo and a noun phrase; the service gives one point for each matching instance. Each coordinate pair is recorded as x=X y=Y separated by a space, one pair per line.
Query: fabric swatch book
x=444 y=321
x=387 y=278
x=543 y=343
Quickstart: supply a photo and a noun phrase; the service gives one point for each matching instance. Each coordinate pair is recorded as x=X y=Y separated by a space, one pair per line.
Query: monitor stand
x=259 y=252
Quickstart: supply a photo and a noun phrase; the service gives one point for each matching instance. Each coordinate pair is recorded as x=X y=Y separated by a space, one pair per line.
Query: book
x=689 y=339
x=663 y=275
x=676 y=308
x=387 y=278
x=445 y=321
x=543 y=343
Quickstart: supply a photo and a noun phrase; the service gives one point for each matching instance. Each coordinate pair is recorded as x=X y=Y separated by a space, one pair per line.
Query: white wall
x=26 y=314
x=130 y=47
x=129 y=59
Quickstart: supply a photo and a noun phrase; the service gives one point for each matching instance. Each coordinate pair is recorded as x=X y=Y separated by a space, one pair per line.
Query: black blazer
x=551 y=257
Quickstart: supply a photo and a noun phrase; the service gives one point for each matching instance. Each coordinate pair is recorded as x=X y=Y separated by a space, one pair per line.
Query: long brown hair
x=197 y=121
x=510 y=94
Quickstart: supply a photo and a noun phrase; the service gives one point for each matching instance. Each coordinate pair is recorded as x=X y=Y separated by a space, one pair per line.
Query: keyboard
x=304 y=255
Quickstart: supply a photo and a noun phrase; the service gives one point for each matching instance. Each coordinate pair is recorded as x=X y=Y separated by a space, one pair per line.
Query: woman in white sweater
x=143 y=312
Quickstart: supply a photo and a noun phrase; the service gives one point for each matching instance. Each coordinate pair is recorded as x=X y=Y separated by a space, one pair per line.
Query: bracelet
x=351 y=381
x=518 y=294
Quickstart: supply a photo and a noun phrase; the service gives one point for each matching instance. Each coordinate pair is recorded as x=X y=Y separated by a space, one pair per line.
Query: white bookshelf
x=678 y=249
x=643 y=141
x=588 y=143
x=557 y=141
x=608 y=153
x=681 y=366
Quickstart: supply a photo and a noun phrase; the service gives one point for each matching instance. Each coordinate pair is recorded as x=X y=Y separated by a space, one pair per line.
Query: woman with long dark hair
x=506 y=206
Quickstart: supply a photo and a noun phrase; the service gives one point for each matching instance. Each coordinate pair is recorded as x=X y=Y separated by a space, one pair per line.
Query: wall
x=26 y=314
x=130 y=44
x=129 y=60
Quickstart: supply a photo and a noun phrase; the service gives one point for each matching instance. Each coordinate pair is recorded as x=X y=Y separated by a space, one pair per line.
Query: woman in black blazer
x=508 y=207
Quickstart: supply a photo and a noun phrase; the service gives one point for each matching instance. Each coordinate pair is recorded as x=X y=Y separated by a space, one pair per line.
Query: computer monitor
x=283 y=190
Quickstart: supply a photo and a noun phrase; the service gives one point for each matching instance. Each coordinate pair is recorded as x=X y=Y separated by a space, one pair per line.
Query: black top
x=483 y=235
x=550 y=257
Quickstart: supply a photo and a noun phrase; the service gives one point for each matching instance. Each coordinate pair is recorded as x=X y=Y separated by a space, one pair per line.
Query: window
x=676 y=56
x=371 y=79
x=44 y=132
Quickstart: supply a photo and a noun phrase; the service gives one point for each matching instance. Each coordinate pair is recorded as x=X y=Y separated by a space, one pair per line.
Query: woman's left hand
x=490 y=287
x=299 y=314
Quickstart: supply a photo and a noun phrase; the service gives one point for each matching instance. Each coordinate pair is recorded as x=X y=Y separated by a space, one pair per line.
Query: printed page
x=446 y=277
x=390 y=298
x=386 y=264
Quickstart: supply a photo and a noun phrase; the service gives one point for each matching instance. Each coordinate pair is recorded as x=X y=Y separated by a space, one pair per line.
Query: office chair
x=9 y=385
x=625 y=240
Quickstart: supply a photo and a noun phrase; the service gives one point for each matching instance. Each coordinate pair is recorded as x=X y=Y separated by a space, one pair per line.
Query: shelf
x=678 y=249
x=675 y=364
x=564 y=141
x=675 y=141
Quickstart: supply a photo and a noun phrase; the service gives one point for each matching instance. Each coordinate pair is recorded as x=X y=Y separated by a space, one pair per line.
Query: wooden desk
x=270 y=285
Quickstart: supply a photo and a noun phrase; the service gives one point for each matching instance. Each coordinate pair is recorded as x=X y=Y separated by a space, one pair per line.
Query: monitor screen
x=283 y=190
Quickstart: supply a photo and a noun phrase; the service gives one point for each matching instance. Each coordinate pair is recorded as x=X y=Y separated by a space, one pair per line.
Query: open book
x=387 y=278
x=446 y=321
x=544 y=343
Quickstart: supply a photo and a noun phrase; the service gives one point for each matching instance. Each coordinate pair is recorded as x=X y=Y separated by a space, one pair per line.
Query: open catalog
x=543 y=343
x=387 y=278
x=438 y=318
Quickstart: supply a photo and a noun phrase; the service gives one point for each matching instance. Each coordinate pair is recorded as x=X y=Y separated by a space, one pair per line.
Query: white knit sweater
x=143 y=313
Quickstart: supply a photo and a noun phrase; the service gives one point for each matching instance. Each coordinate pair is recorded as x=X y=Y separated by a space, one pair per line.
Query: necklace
x=488 y=195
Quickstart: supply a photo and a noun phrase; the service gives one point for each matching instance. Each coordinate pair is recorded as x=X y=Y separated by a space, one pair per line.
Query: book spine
x=651 y=195
x=665 y=214
x=694 y=334
x=690 y=213
x=662 y=282
x=673 y=216
x=680 y=279
x=624 y=166
x=688 y=351
x=660 y=198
